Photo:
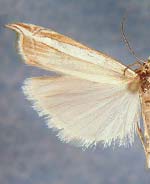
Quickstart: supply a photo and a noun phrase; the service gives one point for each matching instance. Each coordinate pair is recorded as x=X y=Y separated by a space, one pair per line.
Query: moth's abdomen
x=146 y=121
x=146 y=111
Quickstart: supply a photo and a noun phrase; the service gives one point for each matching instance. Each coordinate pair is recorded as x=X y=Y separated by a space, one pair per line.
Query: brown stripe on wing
x=28 y=27
x=47 y=33
x=61 y=38
x=41 y=55
x=32 y=51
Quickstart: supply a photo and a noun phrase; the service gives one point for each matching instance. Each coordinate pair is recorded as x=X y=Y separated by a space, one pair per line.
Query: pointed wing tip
x=18 y=26
x=22 y=27
x=13 y=26
x=9 y=26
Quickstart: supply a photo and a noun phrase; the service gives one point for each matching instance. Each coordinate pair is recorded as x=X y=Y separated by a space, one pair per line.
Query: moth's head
x=146 y=66
x=147 y=63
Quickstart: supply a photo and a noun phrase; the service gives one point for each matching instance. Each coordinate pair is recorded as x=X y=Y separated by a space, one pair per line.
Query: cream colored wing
x=85 y=112
x=49 y=50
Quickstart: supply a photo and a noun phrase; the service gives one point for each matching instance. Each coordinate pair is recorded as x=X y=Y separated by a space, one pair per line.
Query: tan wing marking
x=38 y=54
x=40 y=39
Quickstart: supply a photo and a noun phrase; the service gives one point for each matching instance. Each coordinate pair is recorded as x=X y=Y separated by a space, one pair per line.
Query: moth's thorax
x=144 y=76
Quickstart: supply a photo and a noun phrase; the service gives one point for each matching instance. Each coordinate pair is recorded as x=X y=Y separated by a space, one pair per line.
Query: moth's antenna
x=127 y=43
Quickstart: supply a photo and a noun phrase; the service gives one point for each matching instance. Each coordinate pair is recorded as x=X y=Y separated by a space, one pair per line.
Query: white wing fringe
x=85 y=113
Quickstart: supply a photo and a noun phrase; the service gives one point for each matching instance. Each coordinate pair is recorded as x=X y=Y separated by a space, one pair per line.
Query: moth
x=94 y=98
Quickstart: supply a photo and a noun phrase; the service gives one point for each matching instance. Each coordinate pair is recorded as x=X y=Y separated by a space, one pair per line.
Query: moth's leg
x=141 y=136
x=129 y=66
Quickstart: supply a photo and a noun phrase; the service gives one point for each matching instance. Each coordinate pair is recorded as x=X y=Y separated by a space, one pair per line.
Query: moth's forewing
x=50 y=50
